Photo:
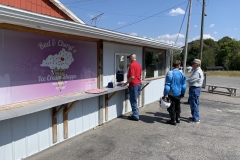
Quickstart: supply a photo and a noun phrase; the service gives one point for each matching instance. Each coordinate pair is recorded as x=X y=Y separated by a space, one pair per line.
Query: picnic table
x=231 y=90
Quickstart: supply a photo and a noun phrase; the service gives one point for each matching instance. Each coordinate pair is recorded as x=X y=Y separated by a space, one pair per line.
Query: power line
x=152 y=9
x=87 y=3
x=150 y=16
x=74 y=2
x=182 y=22
x=121 y=13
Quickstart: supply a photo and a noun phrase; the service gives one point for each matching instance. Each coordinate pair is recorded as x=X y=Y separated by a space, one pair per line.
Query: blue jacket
x=175 y=83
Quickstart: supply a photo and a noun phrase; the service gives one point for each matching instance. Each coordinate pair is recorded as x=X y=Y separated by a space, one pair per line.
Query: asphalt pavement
x=215 y=138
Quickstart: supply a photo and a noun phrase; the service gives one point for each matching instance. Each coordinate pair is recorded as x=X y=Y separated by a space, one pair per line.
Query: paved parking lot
x=216 y=137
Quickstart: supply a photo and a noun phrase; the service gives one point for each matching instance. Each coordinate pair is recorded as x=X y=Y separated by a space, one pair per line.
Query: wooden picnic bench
x=232 y=90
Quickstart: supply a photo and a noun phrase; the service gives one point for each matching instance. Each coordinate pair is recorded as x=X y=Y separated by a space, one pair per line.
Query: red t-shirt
x=135 y=70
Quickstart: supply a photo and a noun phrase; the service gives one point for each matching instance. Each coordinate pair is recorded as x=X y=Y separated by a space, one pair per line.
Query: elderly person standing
x=195 y=82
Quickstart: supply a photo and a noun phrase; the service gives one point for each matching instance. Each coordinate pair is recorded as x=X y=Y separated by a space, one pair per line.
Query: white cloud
x=205 y=36
x=180 y=44
x=121 y=22
x=215 y=32
x=176 y=12
x=172 y=42
x=195 y=25
x=134 y=34
x=170 y=37
x=212 y=25
x=167 y=41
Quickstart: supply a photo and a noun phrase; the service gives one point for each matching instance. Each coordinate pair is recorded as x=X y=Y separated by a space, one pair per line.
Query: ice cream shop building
x=54 y=70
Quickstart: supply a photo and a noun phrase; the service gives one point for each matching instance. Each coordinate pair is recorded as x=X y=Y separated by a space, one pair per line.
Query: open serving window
x=121 y=66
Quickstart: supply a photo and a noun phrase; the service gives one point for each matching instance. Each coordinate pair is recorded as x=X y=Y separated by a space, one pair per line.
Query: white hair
x=133 y=56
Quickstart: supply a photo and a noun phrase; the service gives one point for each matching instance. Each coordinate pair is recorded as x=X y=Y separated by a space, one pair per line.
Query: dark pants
x=175 y=108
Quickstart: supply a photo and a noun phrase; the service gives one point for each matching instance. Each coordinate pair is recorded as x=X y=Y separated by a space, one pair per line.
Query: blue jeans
x=134 y=92
x=194 y=93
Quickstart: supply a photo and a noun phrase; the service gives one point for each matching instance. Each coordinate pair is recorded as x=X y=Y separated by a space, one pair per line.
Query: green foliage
x=225 y=52
x=228 y=54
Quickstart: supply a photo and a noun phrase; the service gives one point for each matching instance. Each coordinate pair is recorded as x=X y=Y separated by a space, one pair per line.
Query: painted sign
x=34 y=66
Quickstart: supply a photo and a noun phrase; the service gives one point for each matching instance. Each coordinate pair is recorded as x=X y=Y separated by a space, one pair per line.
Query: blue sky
x=161 y=19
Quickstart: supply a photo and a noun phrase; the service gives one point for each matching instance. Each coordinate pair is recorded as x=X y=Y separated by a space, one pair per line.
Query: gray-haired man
x=195 y=83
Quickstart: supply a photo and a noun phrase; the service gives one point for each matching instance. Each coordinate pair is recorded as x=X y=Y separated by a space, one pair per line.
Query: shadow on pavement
x=151 y=117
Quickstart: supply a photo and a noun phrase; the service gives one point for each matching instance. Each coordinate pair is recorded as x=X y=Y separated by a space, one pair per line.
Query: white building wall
x=154 y=91
x=168 y=61
x=29 y=134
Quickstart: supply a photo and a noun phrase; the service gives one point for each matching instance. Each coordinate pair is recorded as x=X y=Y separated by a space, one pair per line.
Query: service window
x=155 y=62
x=121 y=66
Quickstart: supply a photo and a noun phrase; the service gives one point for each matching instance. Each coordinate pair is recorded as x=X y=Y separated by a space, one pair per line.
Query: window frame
x=144 y=63
x=125 y=67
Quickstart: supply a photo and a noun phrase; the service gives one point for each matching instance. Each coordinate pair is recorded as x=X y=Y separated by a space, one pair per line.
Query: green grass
x=223 y=73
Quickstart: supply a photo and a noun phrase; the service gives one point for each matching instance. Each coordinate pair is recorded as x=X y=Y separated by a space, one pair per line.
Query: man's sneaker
x=132 y=118
x=191 y=121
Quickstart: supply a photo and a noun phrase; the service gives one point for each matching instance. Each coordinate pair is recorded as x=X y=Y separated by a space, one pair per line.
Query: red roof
x=44 y=7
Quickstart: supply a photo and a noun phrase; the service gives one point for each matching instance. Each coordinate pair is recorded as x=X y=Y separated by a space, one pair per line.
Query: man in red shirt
x=135 y=84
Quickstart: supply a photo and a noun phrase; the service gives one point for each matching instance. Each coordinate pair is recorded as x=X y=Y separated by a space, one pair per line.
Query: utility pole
x=186 y=40
x=171 y=53
x=202 y=27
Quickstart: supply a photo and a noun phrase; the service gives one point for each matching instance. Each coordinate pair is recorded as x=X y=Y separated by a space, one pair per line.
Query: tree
x=225 y=52
x=228 y=53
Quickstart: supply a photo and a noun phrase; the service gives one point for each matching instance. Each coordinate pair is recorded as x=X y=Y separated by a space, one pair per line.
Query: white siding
x=18 y=135
x=29 y=134
x=90 y=113
x=116 y=105
x=44 y=127
x=6 y=142
x=32 y=133
x=154 y=91
x=168 y=59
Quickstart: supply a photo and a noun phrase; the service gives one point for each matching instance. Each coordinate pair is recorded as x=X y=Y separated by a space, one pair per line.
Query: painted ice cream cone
x=59 y=73
x=59 y=63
